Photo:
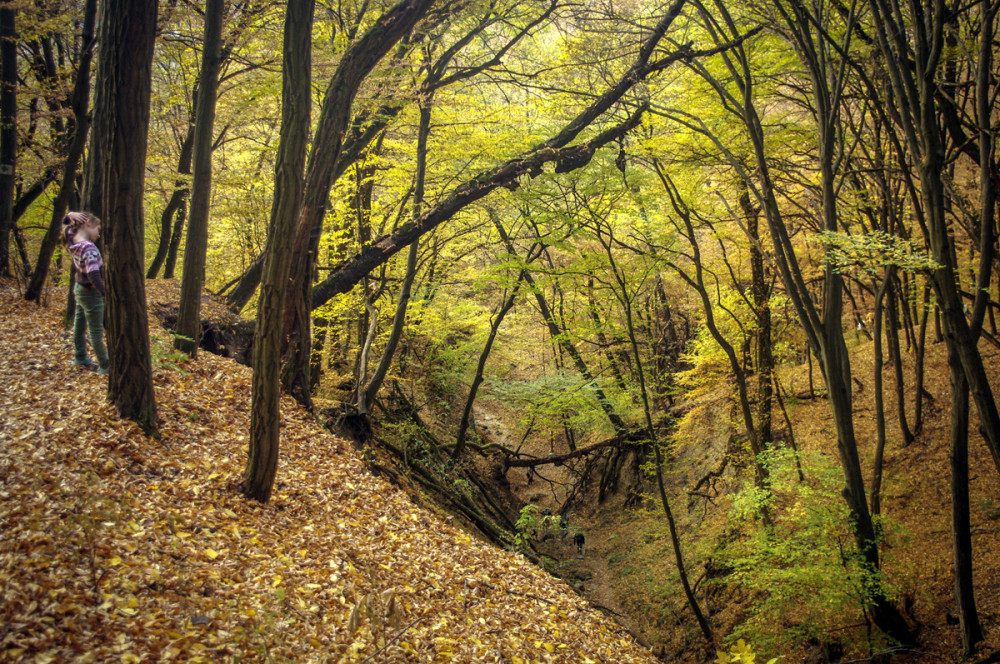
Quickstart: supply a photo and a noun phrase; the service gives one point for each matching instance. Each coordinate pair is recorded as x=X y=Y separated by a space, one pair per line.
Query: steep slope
x=117 y=547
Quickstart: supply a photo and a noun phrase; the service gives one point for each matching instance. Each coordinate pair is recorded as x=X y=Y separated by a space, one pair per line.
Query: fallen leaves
x=116 y=547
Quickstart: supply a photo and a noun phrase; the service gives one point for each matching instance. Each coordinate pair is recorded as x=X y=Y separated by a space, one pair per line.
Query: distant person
x=80 y=231
x=579 y=539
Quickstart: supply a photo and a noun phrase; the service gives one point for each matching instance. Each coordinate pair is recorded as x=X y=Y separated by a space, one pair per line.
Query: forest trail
x=117 y=547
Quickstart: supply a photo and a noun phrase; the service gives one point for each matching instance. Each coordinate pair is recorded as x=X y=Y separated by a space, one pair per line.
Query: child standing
x=80 y=231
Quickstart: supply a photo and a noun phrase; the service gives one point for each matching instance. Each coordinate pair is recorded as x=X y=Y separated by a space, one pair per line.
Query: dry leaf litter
x=115 y=547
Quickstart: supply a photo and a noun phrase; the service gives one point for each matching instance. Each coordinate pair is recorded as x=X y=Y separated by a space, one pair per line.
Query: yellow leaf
x=115 y=561
x=211 y=554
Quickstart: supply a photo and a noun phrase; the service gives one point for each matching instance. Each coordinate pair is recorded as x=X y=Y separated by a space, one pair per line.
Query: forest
x=649 y=329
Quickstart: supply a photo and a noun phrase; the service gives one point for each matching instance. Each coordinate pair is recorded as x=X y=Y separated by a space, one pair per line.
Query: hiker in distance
x=80 y=232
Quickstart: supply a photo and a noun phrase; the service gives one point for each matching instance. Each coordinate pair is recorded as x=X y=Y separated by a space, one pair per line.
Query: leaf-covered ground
x=119 y=548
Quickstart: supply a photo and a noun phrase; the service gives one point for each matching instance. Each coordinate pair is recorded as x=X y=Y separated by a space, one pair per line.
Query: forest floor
x=119 y=547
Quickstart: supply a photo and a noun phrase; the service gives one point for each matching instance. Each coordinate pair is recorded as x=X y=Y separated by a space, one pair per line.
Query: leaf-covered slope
x=115 y=547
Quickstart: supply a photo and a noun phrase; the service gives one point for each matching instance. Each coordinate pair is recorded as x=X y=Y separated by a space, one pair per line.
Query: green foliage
x=165 y=356
x=804 y=572
x=740 y=653
x=526 y=523
x=870 y=252
x=551 y=399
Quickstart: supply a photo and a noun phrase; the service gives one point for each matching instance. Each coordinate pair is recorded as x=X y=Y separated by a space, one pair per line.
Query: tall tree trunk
x=81 y=125
x=762 y=314
x=563 y=340
x=399 y=319
x=177 y=199
x=193 y=275
x=8 y=130
x=876 y=493
x=968 y=617
x=175 y=238
x=920 y=345
x=477 y=379
x=335 y=116
x=262 y=462
x=116 y=174
x=895 y=355
x=706 y=627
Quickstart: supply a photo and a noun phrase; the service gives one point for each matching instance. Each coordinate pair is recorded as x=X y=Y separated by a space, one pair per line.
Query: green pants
x=89 y=316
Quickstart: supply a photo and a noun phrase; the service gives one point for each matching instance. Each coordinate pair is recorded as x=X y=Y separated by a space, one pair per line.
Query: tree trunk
x=968 y=616
x=116 y=173
x=477 y=380
x=262 y=462
x=79 y=103
x=8 y=130
x=399 y=319
x=706 y=627
x=920 y=345
x=897 y=359
x=878 y=316
x=175 y=238
x=335 y=116
x=762 y=313
x=563 y=340
x=193 y=275
x=173 y=207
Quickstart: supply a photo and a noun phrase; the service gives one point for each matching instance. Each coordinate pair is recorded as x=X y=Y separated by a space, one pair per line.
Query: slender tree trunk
x=399 y=319
x=563 y=340
x=362 y=368
x=706 y=627
x=968 y=617
x=262 y=464
x=918 y=364
x=876 y=491
x=193 y=275
x=116 y=173
x=173 y=207
x=175 y=238
x=8 y=130
x=477 y=380
x=81 y=123
x=335 y=116
x=897 y=360
x=762 y=314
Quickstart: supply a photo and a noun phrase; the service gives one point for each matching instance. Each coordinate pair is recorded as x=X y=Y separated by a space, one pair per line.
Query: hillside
x=117 y=547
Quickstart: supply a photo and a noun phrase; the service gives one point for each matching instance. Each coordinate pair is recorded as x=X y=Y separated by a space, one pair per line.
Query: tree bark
x=116 y=173
x=968 y=617
x=8 y=130
x=895 y=355
x=193 y=274
x=173 y=207
x=876 y=492
x=175 y=238
x=79 y=102
x=399 y=319
x=335 y=116
x=262 y=462
x=762 y=315
x=477 y=380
